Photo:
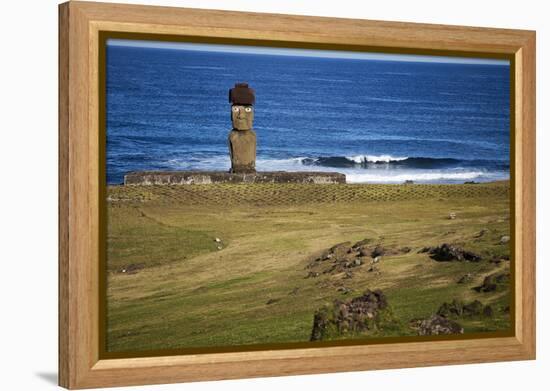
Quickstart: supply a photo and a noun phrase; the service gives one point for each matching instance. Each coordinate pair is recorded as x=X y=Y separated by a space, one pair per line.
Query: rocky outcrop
x=364 y=314
x=449 y=253
x=494 y=282
x=459 y=309
x=444 y=321
x=437 y=325
x=343 y=257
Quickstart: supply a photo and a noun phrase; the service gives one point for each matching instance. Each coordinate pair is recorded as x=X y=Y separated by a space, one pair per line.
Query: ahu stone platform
x=208 y=177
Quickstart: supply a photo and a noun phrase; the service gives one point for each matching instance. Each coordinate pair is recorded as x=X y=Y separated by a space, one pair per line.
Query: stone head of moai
x=242 y=99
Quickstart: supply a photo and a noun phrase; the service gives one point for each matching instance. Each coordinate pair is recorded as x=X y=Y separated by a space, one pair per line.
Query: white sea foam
x=353 y=175
x=438 y=176
x=288 y=164
x=375 y=159
x=200 y=163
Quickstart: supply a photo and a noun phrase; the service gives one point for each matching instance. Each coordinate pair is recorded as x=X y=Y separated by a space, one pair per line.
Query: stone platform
x=207 y=177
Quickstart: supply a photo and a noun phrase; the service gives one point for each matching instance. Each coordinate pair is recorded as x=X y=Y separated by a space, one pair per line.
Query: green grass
x=189 y=293
x=136 y=238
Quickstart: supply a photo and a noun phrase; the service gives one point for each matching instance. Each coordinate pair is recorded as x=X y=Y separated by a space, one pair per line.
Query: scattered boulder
x=448 y=253
x=438 y=325
x=504 y=239
x=272 y=301
x=378 y=251
x=364 y=314
x=452 y=216
x=494 y=282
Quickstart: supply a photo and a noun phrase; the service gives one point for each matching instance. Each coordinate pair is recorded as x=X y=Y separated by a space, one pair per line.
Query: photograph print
x=288 y=197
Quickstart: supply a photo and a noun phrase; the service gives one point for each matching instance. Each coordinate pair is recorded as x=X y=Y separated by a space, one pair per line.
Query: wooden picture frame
x=81 y=364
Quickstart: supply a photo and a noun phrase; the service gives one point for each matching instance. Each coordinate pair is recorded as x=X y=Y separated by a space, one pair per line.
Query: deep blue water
x=376 y=121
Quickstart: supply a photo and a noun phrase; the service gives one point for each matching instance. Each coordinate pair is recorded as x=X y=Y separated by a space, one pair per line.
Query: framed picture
x=247 y=195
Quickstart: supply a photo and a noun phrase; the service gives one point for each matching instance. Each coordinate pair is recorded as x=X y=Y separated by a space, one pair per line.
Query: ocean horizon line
x=305 y=53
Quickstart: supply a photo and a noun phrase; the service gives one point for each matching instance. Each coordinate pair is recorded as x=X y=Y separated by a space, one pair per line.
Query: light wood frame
x=80 y=24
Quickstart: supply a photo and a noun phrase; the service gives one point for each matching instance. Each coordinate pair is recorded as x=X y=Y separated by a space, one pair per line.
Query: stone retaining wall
x=207 y=177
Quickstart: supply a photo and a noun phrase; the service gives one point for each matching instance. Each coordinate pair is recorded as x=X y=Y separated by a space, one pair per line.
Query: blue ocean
x=376 y=121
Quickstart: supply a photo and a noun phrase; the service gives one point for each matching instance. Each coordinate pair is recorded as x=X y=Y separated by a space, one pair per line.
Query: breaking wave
x=377 y=161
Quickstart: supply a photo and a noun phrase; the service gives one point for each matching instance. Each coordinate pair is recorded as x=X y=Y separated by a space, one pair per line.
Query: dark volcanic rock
x=488 y=311
x=493 y=282
x=340 y=250
x=358 y=315
x=344 y=256
x=448 y=253
x=378 y=251
x=336 y=259
x=450 y=309
x=475 y=308
x=459 y=309
x=437 y=325
x=364 y=252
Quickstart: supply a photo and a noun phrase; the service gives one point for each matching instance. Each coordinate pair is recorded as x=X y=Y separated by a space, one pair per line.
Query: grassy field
x=171 y=284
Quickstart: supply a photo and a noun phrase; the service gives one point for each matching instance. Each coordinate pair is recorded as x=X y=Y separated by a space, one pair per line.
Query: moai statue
x=242 y=139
